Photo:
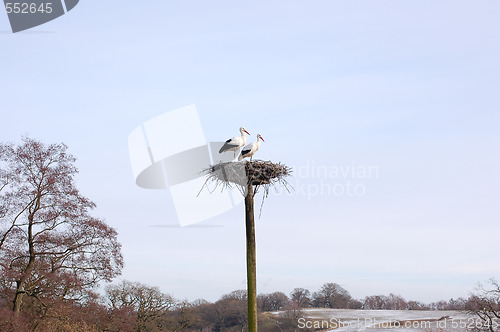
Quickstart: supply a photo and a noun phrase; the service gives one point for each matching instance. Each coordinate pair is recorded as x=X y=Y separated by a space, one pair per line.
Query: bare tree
x=396 y=302
x=456 y=304
x=382 y=302
x=375 y=302
x=185 y=317
x=239 y=294
x=50 y=246
x=148 y=303
x=485 y=303
x=273 y=301
x=439 y=305
x=293 y=311
x=230 y=311
x=417 y=305
x=301 y=296
x=332 y=295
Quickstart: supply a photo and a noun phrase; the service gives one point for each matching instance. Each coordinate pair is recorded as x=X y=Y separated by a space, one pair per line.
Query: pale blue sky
x=410 y=87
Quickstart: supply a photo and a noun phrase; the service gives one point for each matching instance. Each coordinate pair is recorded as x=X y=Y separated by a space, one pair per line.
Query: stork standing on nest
x=250 y=149
x=234 y=144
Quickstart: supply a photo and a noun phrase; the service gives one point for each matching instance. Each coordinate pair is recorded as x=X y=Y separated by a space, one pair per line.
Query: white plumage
x=250 y=149
x=235 y=143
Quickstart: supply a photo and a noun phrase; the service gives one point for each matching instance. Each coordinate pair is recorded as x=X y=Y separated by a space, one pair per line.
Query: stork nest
x=258 y=173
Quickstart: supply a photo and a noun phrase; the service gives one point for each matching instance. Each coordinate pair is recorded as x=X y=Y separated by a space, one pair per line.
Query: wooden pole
x=251 y=260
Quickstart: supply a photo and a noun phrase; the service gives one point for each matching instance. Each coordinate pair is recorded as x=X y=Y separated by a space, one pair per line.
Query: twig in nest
x=261 y=174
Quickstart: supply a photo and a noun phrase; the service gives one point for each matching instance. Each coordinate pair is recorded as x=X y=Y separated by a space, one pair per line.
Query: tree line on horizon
x=135 y=307
x=54 y=255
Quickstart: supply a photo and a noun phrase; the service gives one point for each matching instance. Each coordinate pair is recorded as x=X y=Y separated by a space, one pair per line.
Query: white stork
x=250 y=149
x=234 y=144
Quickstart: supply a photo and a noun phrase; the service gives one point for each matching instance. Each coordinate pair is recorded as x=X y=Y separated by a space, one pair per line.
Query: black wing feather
x=227 y=146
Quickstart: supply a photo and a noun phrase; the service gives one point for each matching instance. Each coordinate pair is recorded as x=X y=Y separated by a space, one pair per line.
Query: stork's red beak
x=246 y=131
x=262 y=138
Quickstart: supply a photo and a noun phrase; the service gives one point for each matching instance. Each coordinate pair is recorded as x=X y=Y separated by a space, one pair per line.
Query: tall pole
x=251 y=260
